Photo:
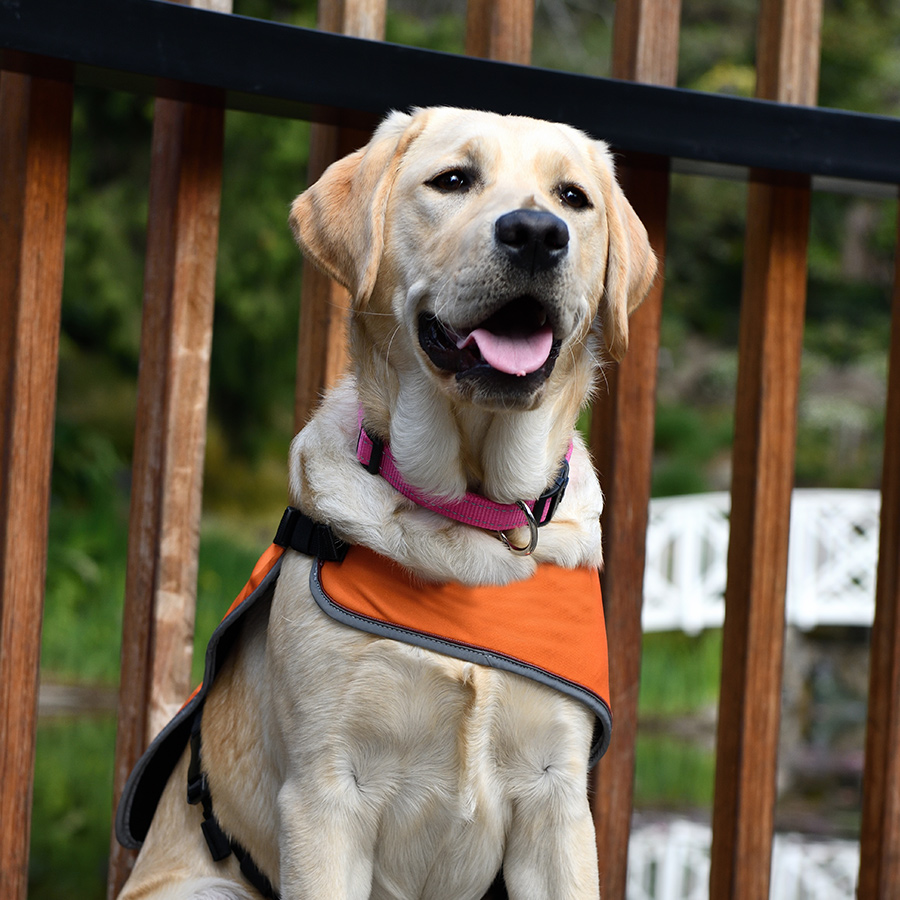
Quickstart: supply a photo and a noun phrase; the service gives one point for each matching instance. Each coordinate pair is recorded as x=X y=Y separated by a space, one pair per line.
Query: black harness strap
x=220 y=845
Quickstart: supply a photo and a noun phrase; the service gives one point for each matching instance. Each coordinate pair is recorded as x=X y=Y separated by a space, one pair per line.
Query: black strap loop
x=198 y=792
x=545 y=506
x=299 y=532
x=373 y=466
x=220 y=845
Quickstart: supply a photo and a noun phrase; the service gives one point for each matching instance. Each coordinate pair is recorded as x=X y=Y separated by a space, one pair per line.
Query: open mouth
x=516 y=341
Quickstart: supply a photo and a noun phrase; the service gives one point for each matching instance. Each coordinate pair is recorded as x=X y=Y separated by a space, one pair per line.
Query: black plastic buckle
x=301 y=533
x=197 y=789
x=373 y=466
x=545 y=506
x=216 y=839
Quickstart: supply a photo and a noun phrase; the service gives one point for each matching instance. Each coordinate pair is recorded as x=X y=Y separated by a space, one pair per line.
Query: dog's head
x=481 y=251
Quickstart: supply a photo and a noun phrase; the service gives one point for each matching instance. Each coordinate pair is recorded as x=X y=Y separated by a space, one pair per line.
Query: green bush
x=71 y=815
x=673 y=774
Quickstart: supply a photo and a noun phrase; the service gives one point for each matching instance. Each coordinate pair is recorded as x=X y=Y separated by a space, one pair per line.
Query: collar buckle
x=545 y=506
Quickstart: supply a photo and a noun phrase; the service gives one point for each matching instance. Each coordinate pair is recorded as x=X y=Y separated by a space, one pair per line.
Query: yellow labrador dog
x=492 y=262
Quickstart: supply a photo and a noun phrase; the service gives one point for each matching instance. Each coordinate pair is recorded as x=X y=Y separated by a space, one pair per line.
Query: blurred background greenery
x=253 y=366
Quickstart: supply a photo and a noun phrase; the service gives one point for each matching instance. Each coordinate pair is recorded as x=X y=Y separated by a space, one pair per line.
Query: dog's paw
x=439 y=550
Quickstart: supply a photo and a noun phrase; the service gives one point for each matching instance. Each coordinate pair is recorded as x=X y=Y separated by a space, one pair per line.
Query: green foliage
x=253 y=366
x=81 y=639
x=291 y=12
x=679 y=678
x=445 y=32
x=680 y=672
x=839 y=442
x=574 y=37
x=860 y=67
x=672 y=774
x=687 y=439
x=107 y=213
x=71 y=814
x=85 y=586
x=704 y=256
x=717 y=38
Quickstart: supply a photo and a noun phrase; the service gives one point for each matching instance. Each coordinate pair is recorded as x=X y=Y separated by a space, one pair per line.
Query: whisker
x=394 y=334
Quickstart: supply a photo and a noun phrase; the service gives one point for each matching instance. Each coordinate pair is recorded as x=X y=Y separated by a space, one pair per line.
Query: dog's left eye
x=451 y=181
x=573 y=196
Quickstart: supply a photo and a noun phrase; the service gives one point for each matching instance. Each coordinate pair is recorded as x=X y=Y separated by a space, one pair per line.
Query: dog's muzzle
x=514 y=349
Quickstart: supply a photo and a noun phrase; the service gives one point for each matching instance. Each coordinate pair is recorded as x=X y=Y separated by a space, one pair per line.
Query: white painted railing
x=831 y=562
x=670 y=861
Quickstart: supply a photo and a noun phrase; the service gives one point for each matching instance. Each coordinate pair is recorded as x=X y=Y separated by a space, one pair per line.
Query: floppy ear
x=630 y=266
x=339 y=221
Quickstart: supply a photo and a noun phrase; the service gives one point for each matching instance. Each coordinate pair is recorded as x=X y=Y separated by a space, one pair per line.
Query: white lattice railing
x=670 y=861
x=831 y=562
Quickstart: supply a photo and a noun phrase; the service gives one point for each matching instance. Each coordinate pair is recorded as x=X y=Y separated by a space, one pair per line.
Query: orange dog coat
x=549 y=628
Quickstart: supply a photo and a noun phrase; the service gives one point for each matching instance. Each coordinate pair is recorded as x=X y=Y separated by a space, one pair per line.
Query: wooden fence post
x=645 y=49
x=770 y=346
x=500 y=29
x=170 y=433
x=879 y=871
x=35 y=131
x=324 y=304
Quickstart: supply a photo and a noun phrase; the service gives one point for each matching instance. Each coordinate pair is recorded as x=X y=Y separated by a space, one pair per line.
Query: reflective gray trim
x=469 y=653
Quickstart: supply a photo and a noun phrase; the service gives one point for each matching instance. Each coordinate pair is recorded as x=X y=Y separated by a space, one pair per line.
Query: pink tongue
x=513 y=355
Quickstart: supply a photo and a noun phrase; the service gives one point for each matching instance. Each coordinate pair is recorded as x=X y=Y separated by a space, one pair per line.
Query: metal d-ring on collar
x=532 y=529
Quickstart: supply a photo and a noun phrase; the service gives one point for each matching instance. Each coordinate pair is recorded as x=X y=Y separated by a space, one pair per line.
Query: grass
x=672 y=774
x=679 y=673
x=72 y=808
x=679 y=679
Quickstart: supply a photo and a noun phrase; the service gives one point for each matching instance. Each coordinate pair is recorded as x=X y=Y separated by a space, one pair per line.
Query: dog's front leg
x=328 y=842
x=552 y=853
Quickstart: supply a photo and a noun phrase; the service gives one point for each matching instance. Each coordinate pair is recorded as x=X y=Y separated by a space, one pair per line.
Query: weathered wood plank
x=500 y=30
x=324 y=305
x=35 y=119
x=645 y=48
x=772 y=312
x=770 y=347
x=622 y=428
x=645 y=41
x=879 y=871
x=170 y=431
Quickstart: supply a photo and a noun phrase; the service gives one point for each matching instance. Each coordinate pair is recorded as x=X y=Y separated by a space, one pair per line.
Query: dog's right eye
x=451 y=181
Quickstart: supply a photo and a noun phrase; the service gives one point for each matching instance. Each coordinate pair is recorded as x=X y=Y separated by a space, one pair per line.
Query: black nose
x=533 y=239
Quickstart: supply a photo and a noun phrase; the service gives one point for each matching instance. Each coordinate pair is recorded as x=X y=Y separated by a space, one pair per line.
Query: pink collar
x=472 y=509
